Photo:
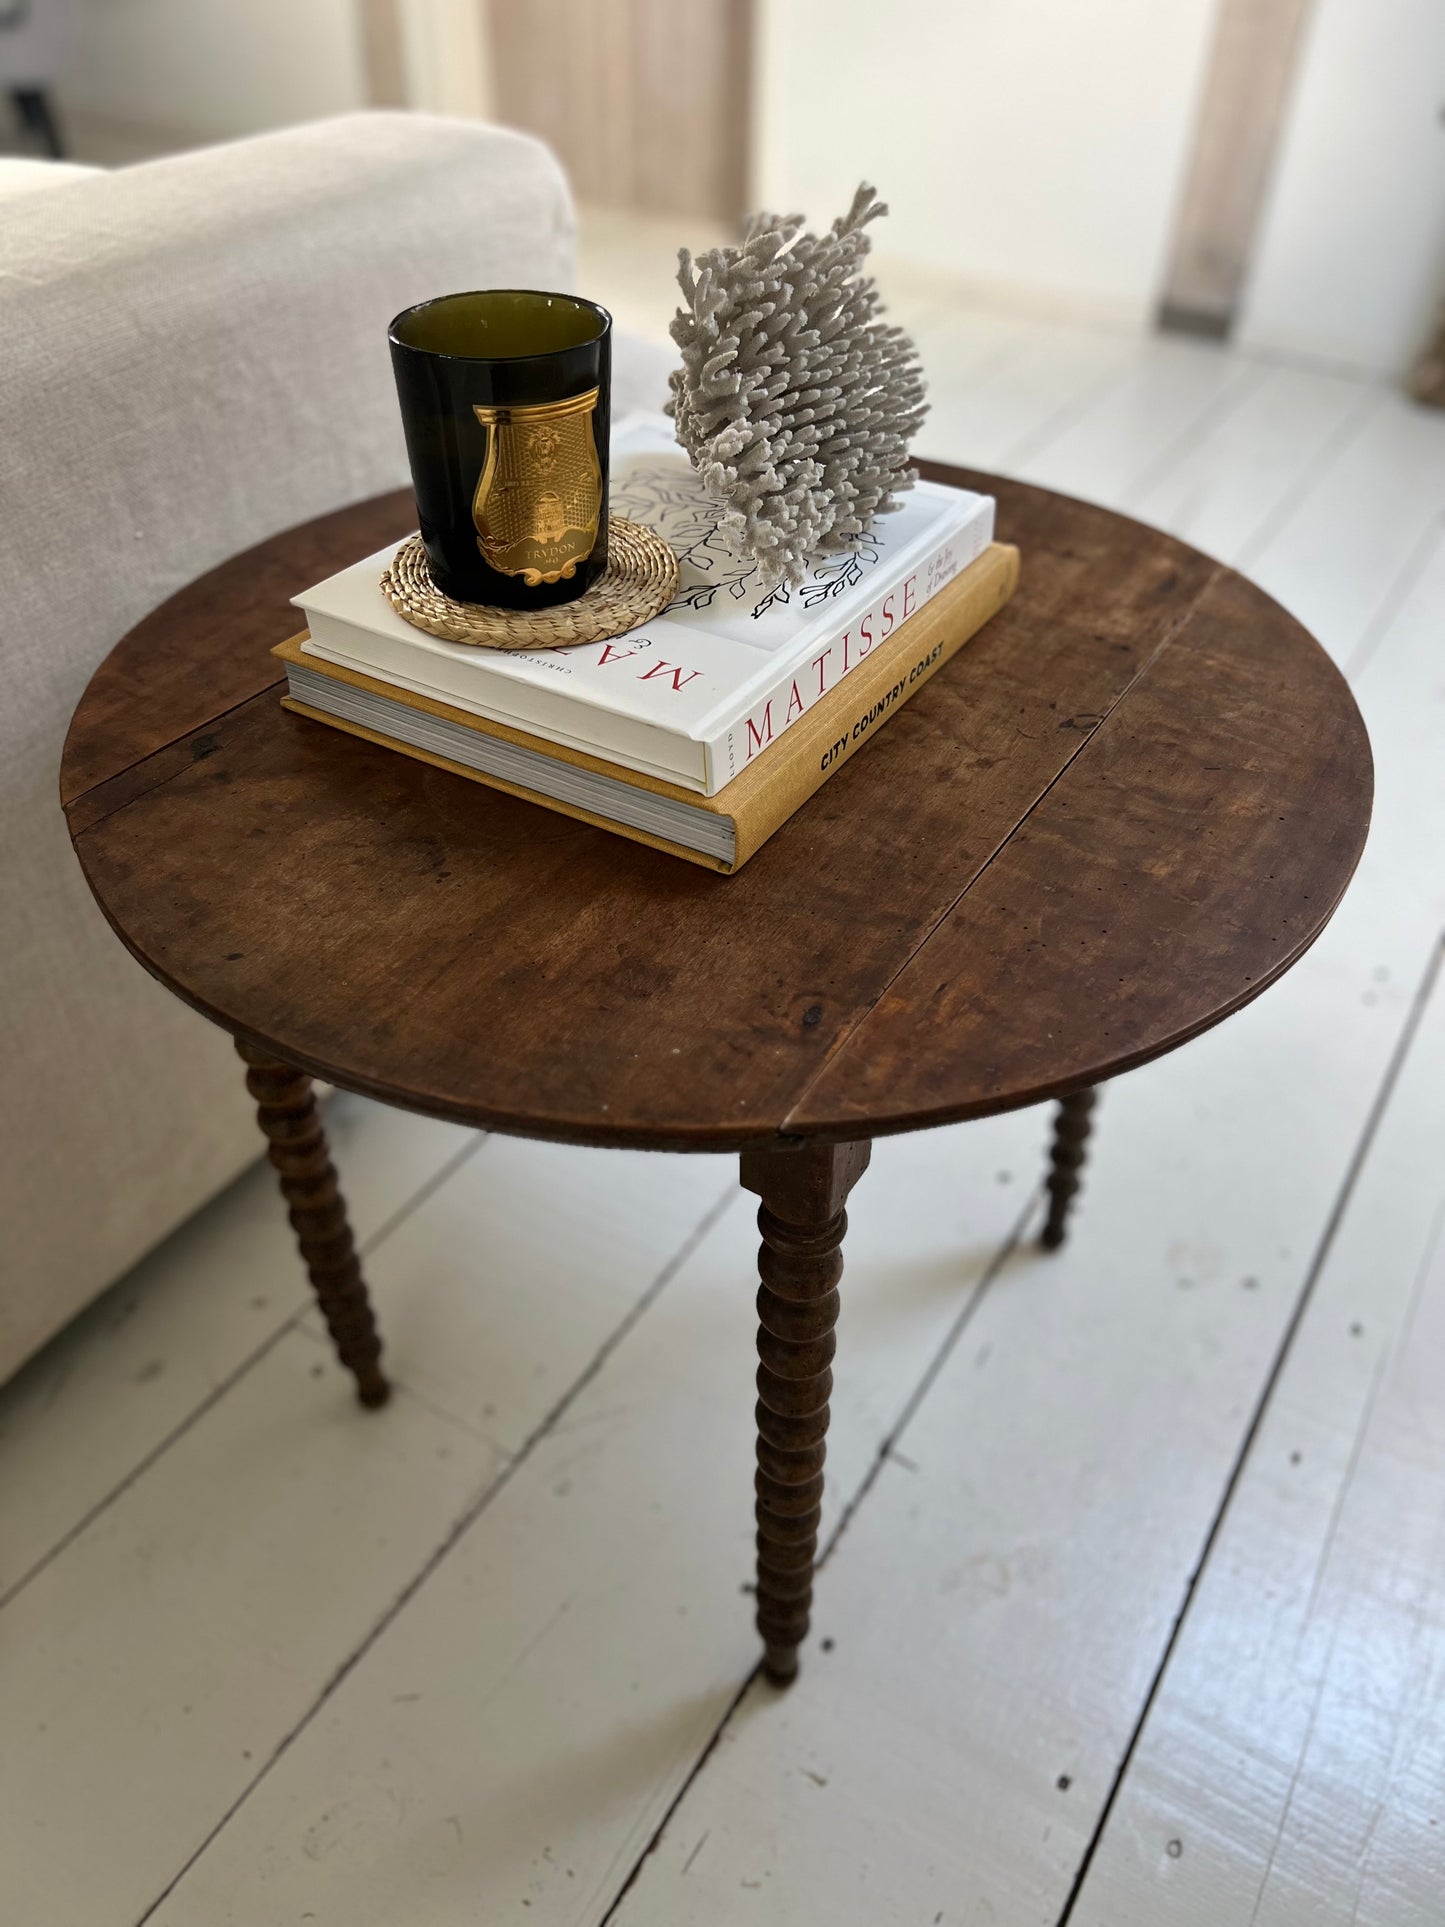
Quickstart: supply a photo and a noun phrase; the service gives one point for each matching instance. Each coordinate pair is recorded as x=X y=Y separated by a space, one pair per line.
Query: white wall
x=1350 y=258
x=209 y=69
x=1032 y=146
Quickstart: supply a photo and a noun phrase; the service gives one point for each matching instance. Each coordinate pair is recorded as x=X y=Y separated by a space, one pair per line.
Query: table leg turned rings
x=800 y=1261
x=1071 y=1135
x=287 y=1112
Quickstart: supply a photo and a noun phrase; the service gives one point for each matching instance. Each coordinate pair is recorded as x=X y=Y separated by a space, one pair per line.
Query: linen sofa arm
x=195 y=358
x=196 y=350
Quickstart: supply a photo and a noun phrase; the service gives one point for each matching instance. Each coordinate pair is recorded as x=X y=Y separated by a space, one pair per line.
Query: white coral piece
x=795 y=403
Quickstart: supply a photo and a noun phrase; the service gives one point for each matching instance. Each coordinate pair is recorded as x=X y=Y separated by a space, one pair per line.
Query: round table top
x=1129 y=804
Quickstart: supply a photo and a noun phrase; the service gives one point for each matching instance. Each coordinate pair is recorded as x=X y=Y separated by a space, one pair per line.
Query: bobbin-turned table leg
x=1072 y=1125
x=802 y=1221
x=287 y=1113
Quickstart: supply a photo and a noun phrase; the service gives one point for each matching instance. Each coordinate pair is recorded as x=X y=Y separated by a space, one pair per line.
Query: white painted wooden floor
x=1134 y=1614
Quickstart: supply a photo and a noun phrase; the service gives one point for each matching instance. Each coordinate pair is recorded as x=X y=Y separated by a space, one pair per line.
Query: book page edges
x=513 y=789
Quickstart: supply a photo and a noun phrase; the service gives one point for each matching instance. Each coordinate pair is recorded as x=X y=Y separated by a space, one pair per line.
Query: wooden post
x=802 y=1222
x=1241 y=115
x=287 y=1113
x=1071 y=1134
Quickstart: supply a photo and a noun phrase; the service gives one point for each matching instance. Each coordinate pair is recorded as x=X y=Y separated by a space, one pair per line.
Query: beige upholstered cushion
x=21 y=175
x=195 y=358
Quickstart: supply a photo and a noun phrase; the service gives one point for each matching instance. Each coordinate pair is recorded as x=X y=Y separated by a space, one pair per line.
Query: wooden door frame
x=1252 y=68
x=429 y=54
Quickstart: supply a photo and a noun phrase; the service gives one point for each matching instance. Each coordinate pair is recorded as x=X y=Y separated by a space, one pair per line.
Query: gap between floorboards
x=1367 y=1136
x=887 y=1445
x=365 y=1248
x=458 y=1531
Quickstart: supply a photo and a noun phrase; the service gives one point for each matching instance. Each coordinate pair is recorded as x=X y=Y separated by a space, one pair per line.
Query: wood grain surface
x=1130 y=804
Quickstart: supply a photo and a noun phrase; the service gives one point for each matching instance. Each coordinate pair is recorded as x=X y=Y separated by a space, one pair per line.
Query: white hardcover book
x=695 y=694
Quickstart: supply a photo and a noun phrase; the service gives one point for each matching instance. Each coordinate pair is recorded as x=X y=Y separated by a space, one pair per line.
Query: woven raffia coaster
x=641 y=579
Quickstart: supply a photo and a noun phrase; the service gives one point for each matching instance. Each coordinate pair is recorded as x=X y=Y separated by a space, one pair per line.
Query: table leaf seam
x=841 y=1044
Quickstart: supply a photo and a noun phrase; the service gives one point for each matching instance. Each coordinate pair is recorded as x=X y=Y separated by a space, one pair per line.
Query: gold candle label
x=539 y=496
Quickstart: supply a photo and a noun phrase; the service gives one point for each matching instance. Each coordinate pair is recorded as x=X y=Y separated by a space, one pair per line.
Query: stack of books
x=702 y=731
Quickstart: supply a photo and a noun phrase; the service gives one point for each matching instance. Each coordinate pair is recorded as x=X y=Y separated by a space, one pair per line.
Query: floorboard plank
x=1336 y=558
x=518 y=1733
x=986 y=408
x=455 y=1289
x=1292 y=1768
x=253 y=1558
x=1169 y=397
x=150 y=1670
x=140 y=1362
x=1255 y=462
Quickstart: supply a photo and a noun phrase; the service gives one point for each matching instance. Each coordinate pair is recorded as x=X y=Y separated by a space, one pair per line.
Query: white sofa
x=195 y=357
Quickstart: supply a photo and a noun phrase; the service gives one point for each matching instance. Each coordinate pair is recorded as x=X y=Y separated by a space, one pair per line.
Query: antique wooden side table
x=1131 y=803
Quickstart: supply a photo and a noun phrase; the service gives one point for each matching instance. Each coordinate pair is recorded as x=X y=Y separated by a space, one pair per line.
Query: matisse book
x=698 y=694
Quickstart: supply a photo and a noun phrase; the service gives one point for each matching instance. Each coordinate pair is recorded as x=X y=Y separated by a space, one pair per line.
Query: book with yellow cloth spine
x=720 y=832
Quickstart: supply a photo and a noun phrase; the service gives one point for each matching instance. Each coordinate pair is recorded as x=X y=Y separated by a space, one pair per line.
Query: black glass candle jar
x=504 y=400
